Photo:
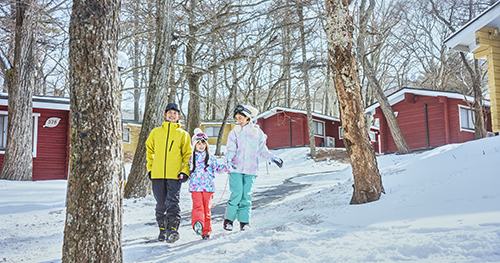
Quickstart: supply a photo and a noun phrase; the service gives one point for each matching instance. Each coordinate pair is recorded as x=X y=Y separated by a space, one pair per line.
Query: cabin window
x=3 y=131
x=212 y=131
x=467 y=117
x=319 y=128
x=126 y=134
x=341 y=133
x=373 y=137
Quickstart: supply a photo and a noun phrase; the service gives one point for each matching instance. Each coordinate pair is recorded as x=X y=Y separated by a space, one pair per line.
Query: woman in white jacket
x=246 y=143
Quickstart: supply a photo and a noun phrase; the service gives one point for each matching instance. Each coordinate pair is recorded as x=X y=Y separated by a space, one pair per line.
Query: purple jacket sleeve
x=263 y=151
x=218 y=168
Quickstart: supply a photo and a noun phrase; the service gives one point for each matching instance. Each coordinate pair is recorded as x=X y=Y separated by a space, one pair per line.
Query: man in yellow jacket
x=168 y=152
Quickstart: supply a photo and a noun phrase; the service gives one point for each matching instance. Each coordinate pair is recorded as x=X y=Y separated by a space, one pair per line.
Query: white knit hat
x=198 y=135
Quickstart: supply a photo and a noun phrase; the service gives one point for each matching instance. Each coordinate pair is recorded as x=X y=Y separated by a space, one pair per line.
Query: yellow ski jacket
x=168 y=151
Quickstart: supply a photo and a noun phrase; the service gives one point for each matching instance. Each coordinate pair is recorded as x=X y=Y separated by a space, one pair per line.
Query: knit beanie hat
x=198 y=136
x=172 y=106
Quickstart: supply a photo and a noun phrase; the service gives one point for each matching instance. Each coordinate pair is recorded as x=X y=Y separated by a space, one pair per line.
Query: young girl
x=201 y=184
x=246 y=142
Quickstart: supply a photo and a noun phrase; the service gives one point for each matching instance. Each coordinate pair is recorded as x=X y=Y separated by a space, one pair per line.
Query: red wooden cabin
x=428 y=118
x=287 y=127
x=50 y=136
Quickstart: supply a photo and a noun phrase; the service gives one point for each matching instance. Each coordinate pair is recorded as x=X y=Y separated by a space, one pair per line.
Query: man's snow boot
x=244 y=226
x=163 y=232
x=198 y=228
x=228 y=225
x=172 y=226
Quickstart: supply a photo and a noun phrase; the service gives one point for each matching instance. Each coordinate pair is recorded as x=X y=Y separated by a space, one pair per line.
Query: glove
x=183 y=177
x=231 y=165
x=278 y=161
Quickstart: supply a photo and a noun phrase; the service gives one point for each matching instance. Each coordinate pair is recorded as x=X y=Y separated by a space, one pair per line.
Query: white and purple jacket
x=202 y=179
x=244 y=147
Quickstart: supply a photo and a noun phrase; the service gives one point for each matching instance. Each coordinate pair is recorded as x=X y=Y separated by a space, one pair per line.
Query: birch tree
x=93 y=228
x=339 y=27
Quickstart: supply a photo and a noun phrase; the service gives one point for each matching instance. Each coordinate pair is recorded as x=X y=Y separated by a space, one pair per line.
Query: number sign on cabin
x=52 y=122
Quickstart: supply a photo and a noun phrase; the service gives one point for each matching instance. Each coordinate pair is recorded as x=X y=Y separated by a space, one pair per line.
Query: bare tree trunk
x=479 y=123
x=228 y=110
x=94 y=201
x=397 y=134
x=135 y=73
x=305 y=73
x=172 y=83
x=214 y=87
x=18 y=158
x=194 y=101
x=367 y=181
x=156 y=100
x=286 y=56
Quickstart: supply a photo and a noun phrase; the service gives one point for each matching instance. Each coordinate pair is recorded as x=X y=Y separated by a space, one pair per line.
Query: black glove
x=183 y=177
x=278 y=161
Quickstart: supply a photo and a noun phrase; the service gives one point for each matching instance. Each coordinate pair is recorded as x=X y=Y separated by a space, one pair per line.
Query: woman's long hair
x=207 y=157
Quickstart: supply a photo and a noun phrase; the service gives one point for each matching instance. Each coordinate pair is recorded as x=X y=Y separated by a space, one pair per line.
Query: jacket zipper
x=166 y=146
x=169 y=149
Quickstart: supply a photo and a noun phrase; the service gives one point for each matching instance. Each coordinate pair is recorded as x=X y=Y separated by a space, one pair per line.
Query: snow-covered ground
x=441 y=205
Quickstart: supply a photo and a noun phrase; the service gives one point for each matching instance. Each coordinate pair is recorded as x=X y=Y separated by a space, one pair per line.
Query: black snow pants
x=167 y=193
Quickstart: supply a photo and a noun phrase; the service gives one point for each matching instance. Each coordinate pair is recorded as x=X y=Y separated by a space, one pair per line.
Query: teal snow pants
x=240 y=201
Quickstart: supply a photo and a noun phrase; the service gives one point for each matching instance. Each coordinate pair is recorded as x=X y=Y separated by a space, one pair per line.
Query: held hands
x=231 y=165
x=183 y=177
x=278 y=161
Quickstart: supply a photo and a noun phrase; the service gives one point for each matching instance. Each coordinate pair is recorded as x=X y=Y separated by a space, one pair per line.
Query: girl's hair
x=207 y=157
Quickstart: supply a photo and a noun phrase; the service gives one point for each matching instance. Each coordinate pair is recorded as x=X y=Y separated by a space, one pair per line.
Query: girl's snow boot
x=198 y=228
x=205 y=237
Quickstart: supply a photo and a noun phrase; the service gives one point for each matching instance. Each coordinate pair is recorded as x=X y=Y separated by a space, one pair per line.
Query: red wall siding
x=277 y=130
x=411 y=119
x=51 y=161
x=52 y=157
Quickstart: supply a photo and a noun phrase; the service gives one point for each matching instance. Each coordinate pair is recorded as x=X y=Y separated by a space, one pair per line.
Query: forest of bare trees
x=256 y=47
x=216 y=54
x=334 y=57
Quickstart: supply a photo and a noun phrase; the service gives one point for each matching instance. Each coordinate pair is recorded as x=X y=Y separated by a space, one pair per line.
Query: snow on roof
x=131 y=123
x=275 y=110
x=465 y=38
x=41 y=102
x=216 y=122
x=400 y=95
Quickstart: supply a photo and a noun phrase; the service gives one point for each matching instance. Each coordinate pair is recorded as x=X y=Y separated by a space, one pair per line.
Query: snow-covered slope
x=441 y=205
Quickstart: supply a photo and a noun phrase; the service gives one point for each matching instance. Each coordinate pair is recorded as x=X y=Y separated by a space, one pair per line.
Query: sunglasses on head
x=202 y=136
x=240 y=108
